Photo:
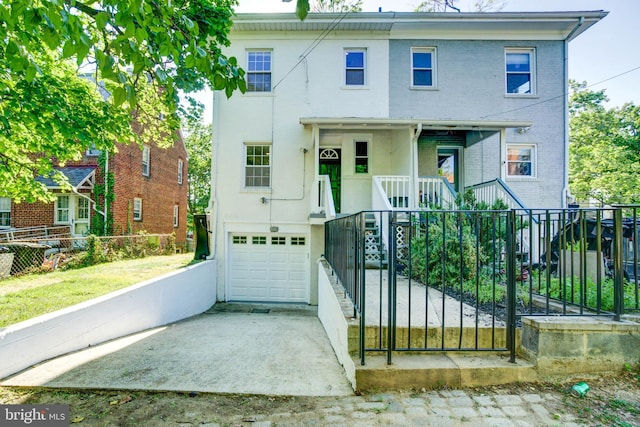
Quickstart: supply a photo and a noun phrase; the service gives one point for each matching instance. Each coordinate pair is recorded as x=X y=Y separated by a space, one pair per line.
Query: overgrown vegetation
x=461 y=250
x=99 y=251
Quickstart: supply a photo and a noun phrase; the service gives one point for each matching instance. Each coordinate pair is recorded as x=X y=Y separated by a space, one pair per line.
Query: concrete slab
x=232 y=348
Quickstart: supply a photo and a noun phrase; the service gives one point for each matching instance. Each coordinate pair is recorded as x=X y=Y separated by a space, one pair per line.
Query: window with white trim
x=362 y=157
x=521 y=160
x=61 y=207
x=355 y=66
x=257 y=168
x=520 y=71
x=145 y=160
x=180 y=170
x=176 y=210
x=137 y=209
x=82 y=209
x=5 y=212
x=423 y=67
x=259 y=71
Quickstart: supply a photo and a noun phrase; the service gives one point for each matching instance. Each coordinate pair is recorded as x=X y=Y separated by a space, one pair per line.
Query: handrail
x=511 y=199
x=30 y=233
x=324 y=203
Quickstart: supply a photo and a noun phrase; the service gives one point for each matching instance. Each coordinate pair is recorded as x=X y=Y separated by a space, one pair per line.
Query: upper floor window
x=257 y=169
x=180 y=169
x=137 y=209
x=62 y=209
x=521 y=160
x=259 y=71
x=520 y=71
x=354 y=64
x=5 y=212
x=145 y=160
x=362 y=157
x=423 y=67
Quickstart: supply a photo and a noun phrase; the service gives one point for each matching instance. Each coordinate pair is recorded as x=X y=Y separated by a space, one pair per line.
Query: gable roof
x=469 y=26
x=78 y=176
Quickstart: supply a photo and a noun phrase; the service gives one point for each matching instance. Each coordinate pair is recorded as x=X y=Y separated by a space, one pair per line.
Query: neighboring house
x=149 y=188
x=360 y=111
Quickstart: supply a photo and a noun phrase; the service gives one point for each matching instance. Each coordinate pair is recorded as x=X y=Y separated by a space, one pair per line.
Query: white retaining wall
x=152 y=303
x=334 y=323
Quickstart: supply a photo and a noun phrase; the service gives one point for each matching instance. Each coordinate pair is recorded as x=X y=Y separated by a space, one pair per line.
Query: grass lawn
x=22 y=298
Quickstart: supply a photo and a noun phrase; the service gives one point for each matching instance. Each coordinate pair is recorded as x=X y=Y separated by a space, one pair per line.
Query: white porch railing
x=325 y=207
x=431 y=192
x=491 y=191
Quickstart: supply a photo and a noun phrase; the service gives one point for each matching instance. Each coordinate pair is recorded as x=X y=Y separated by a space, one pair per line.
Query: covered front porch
x=386 y=164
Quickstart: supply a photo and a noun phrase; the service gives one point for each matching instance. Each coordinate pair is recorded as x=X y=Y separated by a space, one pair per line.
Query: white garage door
x=269 y=268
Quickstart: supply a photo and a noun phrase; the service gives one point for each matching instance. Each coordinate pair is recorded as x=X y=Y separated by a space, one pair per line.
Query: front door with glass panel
x=449 y=165
x=330 y=165
x=73 y=210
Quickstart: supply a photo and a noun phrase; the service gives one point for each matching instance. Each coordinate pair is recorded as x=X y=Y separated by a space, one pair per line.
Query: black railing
x=461 y=280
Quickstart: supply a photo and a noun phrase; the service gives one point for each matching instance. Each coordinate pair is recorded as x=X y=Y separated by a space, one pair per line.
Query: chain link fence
x=51 y=252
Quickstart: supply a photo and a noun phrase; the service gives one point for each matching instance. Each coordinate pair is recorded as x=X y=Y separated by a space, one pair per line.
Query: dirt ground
x=611 y=401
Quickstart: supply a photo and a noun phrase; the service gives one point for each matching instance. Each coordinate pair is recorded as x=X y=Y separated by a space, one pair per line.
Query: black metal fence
x=461 y=280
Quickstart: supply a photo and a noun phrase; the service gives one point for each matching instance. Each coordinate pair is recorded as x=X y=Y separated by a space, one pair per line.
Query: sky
x=606 y=56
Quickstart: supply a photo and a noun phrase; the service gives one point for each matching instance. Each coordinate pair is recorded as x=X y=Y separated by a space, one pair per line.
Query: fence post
x=618 y=267
x=360 y=264
x=391 y=288
x=511 y=284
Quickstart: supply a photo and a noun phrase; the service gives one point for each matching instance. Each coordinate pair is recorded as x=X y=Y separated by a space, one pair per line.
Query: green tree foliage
x=141 y=53
x=336 y=5
x=454 y=6
x=604 y=149
x=197 y=139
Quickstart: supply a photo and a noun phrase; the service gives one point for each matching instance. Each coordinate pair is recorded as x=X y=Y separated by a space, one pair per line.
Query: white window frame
x=180 y=170
x=176 y=211
x=137 y=209
x=265 y=71
x=346 y=68
x=533 y=161
x=58 y=210
x=146 y=160
x=531 y=52
x=367 y=157
x=432 y=52
x=246 y=169
x=5 y=207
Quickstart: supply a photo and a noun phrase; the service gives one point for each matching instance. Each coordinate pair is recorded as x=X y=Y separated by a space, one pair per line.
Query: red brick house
x=149 y=188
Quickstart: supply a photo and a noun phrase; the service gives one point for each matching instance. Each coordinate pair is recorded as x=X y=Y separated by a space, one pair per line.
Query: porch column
x=315 y=191
x=503 y=153
x=413 y=173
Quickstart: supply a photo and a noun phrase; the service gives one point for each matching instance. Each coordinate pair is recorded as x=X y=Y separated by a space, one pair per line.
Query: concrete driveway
x=231 y=348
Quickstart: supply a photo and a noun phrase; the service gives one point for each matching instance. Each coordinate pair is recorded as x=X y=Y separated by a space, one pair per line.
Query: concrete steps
x=410 y=371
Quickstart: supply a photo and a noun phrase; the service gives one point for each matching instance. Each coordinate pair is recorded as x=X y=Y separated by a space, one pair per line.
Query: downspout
x=212 y=209
x=566 y=192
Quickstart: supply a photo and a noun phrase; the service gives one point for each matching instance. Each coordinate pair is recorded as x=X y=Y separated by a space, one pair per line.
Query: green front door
x=330 y=165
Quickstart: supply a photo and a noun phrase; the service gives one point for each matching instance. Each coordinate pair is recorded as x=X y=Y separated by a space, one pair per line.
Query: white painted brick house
x=361 y=111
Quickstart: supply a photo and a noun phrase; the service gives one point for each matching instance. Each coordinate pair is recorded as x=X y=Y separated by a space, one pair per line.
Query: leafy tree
x=139 y=55
x=451 y=5
x=197 y=139
x=336 y=6
x=604 y=149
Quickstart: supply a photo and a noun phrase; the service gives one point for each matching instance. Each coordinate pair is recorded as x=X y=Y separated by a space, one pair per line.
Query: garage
x=269 y=268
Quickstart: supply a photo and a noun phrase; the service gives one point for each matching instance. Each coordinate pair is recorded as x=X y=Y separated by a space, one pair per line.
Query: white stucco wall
x=152 y=303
